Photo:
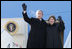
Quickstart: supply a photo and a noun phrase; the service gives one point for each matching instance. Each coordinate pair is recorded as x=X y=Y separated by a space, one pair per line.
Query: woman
x=54 y=33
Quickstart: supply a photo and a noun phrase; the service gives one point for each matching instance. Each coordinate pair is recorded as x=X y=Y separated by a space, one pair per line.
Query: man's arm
x=25 y=16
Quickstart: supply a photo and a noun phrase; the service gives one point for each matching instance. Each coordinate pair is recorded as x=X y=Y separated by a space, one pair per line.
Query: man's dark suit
x=37 y=35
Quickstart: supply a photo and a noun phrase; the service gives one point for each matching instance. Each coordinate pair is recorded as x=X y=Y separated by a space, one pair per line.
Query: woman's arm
x=61 y=25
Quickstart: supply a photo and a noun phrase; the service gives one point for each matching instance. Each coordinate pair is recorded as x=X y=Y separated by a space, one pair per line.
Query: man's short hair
x=37 y=12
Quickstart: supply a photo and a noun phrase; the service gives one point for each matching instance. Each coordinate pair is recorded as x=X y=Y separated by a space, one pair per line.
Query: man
x=37 y=35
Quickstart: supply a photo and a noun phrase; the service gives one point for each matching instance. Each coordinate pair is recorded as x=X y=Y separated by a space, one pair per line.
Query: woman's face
x=51 y=21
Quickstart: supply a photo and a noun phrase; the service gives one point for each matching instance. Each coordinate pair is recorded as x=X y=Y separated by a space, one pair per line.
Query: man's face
x=51 y=21
x=40 y=14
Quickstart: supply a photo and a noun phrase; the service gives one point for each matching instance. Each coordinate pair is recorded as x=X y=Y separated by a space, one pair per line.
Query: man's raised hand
x=24 y=6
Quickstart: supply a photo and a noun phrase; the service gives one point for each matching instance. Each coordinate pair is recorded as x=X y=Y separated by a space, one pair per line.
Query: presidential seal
x=11 y=27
